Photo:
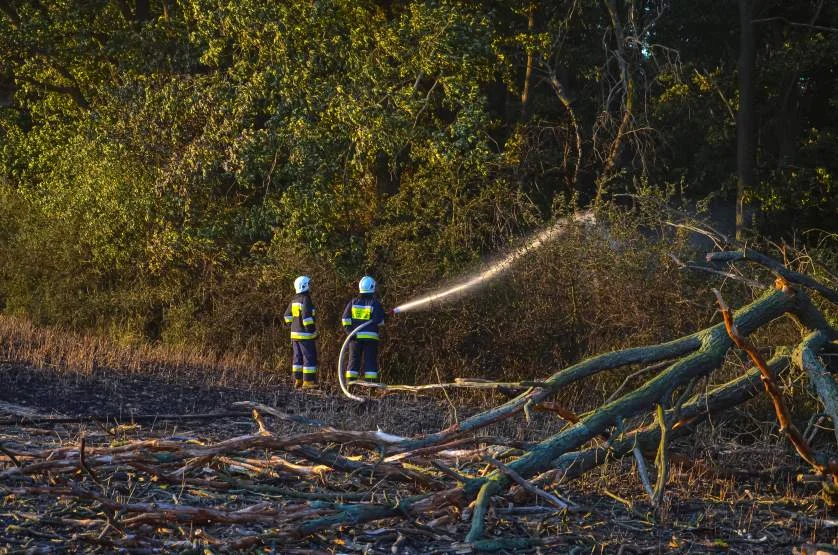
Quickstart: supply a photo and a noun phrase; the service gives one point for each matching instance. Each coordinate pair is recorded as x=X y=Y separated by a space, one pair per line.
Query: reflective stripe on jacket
x=360 y=310
x=300 y=316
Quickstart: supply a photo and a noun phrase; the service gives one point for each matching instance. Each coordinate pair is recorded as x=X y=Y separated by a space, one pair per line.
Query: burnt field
x=215 y=482
x=720 y=440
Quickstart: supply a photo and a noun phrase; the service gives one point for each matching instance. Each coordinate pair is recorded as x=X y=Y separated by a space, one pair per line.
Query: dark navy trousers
x=366 y=350
x=304 y=364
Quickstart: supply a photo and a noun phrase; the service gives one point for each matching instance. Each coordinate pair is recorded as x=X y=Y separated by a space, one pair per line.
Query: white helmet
x=301 y=284
x=366 y=285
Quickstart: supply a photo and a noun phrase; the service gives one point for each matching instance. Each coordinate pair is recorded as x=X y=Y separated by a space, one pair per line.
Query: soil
x=723 y=496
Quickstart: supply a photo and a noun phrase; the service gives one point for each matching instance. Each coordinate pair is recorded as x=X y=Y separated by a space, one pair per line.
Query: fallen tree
x=429 y=476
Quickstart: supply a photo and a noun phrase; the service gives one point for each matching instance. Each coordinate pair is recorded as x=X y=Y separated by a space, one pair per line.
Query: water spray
x=494 y=270
x=499 y=267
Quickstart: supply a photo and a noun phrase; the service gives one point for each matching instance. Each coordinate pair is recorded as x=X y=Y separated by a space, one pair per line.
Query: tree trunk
x=561 y=93
x=10 y=12
x=745 y=124
x=143 y=12
x=627 y=79
x=525 y=95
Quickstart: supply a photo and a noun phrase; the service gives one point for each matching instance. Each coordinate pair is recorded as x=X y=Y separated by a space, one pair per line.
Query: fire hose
x=536 y=241
x=341 y=374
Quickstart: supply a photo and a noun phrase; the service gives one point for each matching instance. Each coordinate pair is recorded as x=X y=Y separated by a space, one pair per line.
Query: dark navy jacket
x=360 y=310
x=300 y=314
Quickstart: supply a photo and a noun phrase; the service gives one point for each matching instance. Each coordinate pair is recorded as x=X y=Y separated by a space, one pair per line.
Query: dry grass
x=79 y=354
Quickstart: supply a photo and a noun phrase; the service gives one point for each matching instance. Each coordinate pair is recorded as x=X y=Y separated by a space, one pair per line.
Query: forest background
x=168 y=167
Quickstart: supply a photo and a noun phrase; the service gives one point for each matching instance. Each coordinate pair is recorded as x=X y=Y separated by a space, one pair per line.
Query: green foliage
x=165 y=175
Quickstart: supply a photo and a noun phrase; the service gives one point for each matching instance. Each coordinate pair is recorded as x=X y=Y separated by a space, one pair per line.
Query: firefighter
x=300 y=316
x=364 y=344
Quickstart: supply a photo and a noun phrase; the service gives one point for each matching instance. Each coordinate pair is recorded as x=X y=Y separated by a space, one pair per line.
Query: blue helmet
x=366 y=285
x=301 y=284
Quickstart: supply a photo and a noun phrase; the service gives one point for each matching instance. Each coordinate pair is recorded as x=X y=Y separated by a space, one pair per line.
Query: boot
x=298 y=383
x=309 y=385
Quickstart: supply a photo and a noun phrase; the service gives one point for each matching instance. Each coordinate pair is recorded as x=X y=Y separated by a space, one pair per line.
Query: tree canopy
x=160 y=156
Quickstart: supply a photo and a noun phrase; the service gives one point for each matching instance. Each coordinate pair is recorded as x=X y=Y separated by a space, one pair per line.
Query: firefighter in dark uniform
x=364 y=344
x=300 y=316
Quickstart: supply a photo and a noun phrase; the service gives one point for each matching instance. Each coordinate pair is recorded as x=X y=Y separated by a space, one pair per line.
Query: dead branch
x=449 y=450
x=730 y=275
x=783 y=416
x=459 y=383
x=567 y=376
x=135 y=418
x=662 y=458
x=272 y=411
x=713 y=346
x=83 y=463
x=9 y=454
x=526 y=485
x=776 y=268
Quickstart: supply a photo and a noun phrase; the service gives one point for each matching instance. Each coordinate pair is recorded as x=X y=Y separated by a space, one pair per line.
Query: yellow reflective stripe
x=370 y=375
x=308 y=321
x=309 y=369
x=303 y=335
x=296 y=309
x=289 y=319
x=351 y=374
x=346 y=321
x=367 y=335
x=360 y=312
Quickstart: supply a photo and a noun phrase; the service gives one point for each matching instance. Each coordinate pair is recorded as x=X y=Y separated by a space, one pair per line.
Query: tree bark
x=806 y=358
x=566 y=376
x=697 y=409
x=561 y=93
x=627 y=79
x=715 y=343
x=525 y=95
x=745 y=118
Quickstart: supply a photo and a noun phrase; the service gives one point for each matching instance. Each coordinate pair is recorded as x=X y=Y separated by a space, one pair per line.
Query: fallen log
x=562 y=378
x=714 y=344
x=573 y=464
x=806 y=358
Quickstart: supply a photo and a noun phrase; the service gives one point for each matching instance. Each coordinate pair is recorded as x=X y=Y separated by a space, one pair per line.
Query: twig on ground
x=527 y=485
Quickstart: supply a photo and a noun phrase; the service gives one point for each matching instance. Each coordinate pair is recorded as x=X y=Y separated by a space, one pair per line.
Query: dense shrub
x=163 y=177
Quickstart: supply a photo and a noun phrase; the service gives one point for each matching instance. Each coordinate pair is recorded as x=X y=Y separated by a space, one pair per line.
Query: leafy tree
x=164 y=161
